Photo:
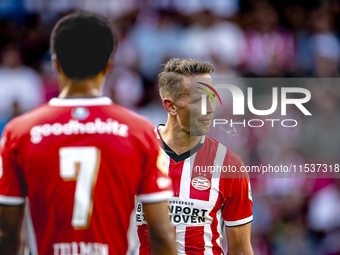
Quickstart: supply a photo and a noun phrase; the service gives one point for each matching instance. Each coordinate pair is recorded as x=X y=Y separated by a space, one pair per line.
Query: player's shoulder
x=230 y=156
x=232 y=162
x=60 y=111
x=23 y=123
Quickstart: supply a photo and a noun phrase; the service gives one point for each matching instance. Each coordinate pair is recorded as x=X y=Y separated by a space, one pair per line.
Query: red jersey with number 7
x=78 y=164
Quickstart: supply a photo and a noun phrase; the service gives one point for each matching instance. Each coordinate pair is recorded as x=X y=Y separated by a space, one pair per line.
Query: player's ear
x=56 y=64
x=108 y=68
x=169 y=106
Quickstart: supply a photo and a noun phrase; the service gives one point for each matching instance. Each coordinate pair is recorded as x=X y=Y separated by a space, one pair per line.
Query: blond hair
x=172 y=75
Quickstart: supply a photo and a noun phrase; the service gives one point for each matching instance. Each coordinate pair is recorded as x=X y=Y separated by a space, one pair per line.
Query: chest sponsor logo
x=201 y=183
x=180 y=212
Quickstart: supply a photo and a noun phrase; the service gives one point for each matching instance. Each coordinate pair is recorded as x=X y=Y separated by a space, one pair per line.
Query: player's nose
x=211 y=106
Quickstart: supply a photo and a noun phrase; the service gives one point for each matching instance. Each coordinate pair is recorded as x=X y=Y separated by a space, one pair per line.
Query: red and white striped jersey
x=204 y=199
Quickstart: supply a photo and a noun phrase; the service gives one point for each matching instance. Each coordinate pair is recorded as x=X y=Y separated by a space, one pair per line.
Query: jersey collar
x=172 y=154
x=80 y=101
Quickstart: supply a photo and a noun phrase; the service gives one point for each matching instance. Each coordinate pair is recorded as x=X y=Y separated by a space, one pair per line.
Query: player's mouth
x=205 y=121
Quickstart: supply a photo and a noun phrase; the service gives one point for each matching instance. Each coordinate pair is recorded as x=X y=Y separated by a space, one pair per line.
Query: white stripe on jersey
x=220 y=226
x=184 y=190
x=136 y=251
x=7 y=200
x=132 y=235
x=215 y=183
x=156 y=197
x=180 y=238
x=80 y=101
x=207 y=239
x=238 y=222
x=184 y=194
x=31 y=239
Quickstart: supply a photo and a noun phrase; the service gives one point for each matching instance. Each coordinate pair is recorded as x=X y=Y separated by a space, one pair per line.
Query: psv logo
x=200 y=183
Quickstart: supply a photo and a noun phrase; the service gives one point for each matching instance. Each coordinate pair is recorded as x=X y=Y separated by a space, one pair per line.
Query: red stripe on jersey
x=144 y=247
x=194 y=240
x=205 y=157
x=175 y=170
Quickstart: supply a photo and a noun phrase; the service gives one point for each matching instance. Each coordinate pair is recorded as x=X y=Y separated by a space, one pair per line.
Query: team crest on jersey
x=200 y=183
x=80 y=113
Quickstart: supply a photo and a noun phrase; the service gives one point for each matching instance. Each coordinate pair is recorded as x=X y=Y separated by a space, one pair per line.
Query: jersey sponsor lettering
x=74 y=127
x=187 y=214
x=179 y=212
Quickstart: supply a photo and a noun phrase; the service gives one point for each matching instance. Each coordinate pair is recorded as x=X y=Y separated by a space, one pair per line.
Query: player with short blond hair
x=204 y=201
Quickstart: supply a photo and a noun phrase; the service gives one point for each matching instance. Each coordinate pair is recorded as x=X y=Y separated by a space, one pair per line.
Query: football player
x=204 y=202
x=78 y=161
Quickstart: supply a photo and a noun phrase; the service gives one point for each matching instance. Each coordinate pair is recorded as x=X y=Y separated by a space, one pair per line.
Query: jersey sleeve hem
x=237 y=223
x=7 y=200
x=156 y=197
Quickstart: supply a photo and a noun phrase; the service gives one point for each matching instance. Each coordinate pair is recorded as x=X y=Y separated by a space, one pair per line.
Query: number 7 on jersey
x=80 y=164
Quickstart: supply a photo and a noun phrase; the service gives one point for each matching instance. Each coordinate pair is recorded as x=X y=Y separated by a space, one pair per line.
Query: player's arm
x=12 y=201
x=238 y=212
x=239 y=240
x=10 y=225
x=154 y=192
x=161 y=234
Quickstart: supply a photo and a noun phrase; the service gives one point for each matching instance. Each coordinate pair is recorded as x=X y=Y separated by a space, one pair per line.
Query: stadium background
x=242 y=38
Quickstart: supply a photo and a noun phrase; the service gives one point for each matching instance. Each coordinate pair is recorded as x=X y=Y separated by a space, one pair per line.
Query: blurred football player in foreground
x=79 y=160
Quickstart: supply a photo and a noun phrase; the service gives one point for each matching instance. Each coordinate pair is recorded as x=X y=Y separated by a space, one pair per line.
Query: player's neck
x=177 y=139
x=87 y=88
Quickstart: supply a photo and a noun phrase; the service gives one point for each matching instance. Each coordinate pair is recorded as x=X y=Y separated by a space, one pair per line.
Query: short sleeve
x=238 y=210
x=155 y=186
x=10 y=184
